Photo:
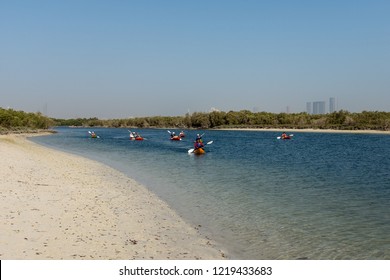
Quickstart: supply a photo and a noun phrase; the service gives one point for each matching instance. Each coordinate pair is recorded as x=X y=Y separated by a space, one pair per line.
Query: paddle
x=280 y=137
x=192 y=150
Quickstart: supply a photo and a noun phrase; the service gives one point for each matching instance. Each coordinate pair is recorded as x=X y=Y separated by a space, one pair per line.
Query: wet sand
x=56 y=205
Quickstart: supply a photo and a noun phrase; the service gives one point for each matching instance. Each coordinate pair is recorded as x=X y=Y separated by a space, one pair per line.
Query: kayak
x=287 y=137
x=93 y=134
x=199 y=151
x=138 y=138
x=175 y=138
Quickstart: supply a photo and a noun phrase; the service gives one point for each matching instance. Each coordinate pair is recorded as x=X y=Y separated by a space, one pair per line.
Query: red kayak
x=285 y=137
x=138 y=138
x=176 y=138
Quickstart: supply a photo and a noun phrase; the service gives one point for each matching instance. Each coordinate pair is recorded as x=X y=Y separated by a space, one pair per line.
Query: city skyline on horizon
x=309 y=109
x=319 y=106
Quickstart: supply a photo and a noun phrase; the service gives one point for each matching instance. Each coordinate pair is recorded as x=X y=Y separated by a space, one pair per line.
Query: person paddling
x=284 y=136
x=198 y=142
x=199 y=138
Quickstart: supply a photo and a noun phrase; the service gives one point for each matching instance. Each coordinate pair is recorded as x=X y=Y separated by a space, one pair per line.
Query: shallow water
x=317 y=196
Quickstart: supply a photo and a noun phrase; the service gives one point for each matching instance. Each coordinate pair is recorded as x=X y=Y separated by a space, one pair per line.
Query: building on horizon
x=308 y=108
x=213 y=109
x=318 y=107
x=332 y=105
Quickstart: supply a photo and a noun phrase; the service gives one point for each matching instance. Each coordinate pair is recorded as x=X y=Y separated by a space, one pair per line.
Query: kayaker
x=198 y=144
x=173 y=134
x=284 y=135
x=198 y=138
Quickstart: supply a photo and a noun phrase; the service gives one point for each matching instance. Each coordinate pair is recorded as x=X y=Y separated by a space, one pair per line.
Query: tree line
x=11 y=120
x=340 y=120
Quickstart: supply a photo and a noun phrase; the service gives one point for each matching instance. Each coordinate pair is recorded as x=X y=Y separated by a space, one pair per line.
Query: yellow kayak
x=199 y=151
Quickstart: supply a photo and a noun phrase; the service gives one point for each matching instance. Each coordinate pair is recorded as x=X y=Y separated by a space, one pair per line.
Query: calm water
x=317 y=196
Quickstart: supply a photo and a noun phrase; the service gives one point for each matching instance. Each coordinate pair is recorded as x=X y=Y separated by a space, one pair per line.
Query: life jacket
x=198 y=144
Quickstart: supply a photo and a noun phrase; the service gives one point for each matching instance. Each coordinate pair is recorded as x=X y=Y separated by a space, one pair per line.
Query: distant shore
x=25 y=131
x=296 y=130
x=55 y=205
x=310 y=130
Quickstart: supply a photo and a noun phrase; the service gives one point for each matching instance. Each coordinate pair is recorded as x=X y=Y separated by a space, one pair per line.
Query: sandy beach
x=56 y=205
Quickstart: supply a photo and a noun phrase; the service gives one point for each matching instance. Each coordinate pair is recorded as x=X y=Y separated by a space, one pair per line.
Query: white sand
x=56 y=205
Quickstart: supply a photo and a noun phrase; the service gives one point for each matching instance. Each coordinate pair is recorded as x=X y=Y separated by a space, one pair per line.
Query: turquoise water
x=317 y=196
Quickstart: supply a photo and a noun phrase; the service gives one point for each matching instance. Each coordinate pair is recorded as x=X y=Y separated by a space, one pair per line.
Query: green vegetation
x=11 y=120
x=341 y=120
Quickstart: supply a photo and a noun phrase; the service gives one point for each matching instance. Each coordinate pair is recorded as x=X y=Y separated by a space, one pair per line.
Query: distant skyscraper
x=332 y=105
x=308 y=108
x=319 y=107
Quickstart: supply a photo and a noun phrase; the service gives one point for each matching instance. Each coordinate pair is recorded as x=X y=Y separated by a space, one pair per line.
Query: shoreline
x=55 y=205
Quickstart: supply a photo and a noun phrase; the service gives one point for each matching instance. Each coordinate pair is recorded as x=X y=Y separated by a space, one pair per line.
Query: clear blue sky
x=121 y=58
